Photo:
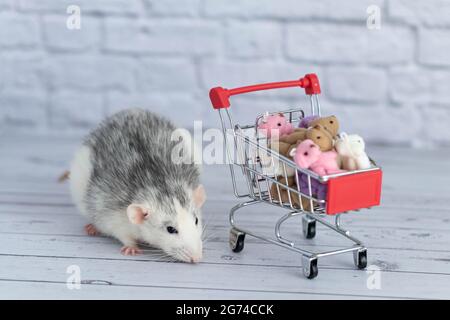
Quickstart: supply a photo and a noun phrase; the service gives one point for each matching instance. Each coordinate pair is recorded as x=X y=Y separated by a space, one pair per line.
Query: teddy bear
x=271 y=165
x=317 y=134
x=307 y=155
x=284 y=193
x=272 y=127
x=322 y=131
x=351 y=150
x=331 y=123
x=283 y=145
x=318 y=189
x=275 y=125
x=320 y=136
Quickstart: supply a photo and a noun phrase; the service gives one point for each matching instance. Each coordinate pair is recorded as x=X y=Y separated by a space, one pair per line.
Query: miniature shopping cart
x=260 y=168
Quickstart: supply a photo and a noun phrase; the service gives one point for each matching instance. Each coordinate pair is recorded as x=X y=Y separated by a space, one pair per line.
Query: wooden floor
x=41 y=235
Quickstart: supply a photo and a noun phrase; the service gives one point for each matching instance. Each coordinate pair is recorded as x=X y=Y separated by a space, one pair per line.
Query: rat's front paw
x=130 y=251
x=91 y=230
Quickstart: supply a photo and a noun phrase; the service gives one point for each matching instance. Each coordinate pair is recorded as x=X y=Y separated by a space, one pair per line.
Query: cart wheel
x=309 y=227
x=360 y=258
x=237 y=240
x=310 y=269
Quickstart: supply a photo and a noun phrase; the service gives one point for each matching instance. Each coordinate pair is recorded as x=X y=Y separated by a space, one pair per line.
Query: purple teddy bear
x=319 y=190
x=306 y=121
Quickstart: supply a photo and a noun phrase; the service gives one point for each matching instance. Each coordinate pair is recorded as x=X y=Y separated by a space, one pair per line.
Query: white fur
x=351 y=149
x=89 y=194
x=189 y=233
x=186 y=245
x=117 y=224
x=80 y=172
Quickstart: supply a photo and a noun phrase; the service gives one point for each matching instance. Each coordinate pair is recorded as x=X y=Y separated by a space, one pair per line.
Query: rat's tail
x=64 y=176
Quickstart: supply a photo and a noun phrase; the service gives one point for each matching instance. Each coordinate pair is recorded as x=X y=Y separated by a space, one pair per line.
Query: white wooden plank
x=26 y=208
x=260 y=278
x=40 y=200
x=373 y=237
x=218 y=252
x=13 y=290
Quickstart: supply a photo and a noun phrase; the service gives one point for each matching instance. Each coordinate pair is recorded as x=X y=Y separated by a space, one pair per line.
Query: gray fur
x=131 y=163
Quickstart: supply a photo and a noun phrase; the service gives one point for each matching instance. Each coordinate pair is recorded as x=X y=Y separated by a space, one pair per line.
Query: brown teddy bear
x=284 y=193
x=318 y=134
x=331 y=123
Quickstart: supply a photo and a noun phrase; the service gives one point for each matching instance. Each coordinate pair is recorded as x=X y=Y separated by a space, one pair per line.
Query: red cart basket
x=262 y=168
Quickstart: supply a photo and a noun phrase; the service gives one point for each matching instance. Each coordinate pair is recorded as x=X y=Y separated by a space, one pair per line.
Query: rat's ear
x=137 y=213
x=199 y=196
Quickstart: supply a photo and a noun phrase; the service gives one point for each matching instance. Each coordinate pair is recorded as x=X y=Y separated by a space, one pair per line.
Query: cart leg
x=237 y=235
x=278 y=227
x=310 y=269
x=360 y=258
x=309 y=227
x=338 y=225
x=236 y=208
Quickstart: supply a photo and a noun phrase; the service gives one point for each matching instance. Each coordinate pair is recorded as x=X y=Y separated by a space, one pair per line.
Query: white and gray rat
x=124 y=181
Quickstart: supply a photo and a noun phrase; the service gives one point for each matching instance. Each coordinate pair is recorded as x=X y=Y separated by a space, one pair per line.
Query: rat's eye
x=331 y=121
x=171 y=229
x=305 y=154
x=196 y=221
x=279 y=124
x=318 y=137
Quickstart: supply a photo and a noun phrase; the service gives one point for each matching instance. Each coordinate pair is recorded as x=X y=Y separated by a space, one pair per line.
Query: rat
x=124 y=180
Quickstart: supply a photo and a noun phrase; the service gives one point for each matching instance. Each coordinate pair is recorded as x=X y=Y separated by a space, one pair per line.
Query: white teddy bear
x=351 y=151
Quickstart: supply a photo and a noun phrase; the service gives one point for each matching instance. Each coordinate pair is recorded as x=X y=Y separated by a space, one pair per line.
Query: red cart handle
x=220 y=97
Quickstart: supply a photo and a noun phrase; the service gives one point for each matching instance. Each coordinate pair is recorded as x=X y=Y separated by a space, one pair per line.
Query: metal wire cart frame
x=265 y=170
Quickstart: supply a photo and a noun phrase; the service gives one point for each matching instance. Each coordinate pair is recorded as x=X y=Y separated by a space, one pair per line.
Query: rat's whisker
x=155 y=253
x=145 y=245
x=183 y=254
x=209 y=235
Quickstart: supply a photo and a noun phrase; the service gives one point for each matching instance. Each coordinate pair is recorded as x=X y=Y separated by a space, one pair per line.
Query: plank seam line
x=252 y=241
x=221 y=264
x=208 y=288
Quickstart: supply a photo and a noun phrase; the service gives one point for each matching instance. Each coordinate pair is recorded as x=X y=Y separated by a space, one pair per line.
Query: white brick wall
x=390 y=85
x=60 y=39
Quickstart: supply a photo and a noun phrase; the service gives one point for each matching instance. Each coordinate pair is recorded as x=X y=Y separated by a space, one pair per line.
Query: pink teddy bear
x=307 y=155
x=275 y=125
